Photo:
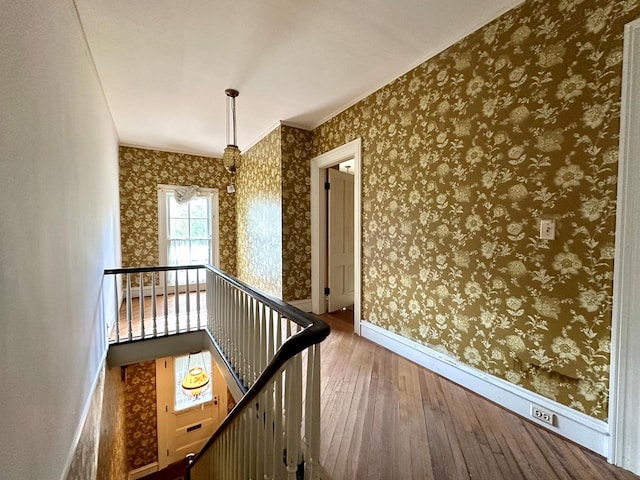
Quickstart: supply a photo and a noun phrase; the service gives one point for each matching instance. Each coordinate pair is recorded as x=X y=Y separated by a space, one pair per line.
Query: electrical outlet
x=543 y=415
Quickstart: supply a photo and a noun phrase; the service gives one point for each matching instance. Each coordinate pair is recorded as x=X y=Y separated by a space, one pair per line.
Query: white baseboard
x=143 y=471
x=304 y=305
x=571 y=424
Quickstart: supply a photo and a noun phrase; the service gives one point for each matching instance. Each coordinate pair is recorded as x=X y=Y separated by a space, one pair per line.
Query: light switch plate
x=547 y=229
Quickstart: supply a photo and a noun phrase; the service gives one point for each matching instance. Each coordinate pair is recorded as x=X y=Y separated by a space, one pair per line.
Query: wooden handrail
x=294 y=345
x=165 y=268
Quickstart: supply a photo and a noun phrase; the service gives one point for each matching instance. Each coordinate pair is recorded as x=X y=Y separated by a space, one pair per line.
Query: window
x=188 y=232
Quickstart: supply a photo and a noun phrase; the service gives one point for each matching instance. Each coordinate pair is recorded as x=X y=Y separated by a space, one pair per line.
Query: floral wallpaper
x=85 y=459
x=141 y=171
x=296 y=213
x=101 y=450
x=461 y=158
x=141 y=415
x=112 y=451
x=259 y=215
x=274 y=223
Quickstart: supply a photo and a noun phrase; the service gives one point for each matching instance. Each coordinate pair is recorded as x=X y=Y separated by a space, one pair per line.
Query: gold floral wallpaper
x=259 y=215
x=141 y=414
x=101 y=450
x=112 y=452
x=273 y=208
x=140 y=173
x=461 y=158
x=84 y=464
x=296 y=213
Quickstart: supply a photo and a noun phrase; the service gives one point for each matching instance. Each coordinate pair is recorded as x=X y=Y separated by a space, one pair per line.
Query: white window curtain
x=185 y=194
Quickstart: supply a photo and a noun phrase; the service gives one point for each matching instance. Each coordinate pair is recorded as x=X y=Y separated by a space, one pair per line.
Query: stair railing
x=272 y=349
x=157 y=301
x=274 y=430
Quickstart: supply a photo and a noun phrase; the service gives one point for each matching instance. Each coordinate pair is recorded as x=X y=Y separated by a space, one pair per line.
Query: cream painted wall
x=59 y=228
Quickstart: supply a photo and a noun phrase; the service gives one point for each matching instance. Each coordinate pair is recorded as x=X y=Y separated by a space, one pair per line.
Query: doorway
x=320 y=231
x=185 y=424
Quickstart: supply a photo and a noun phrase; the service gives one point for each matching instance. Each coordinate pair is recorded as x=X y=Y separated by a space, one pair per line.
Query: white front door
x=182 y=428
x=340 y=256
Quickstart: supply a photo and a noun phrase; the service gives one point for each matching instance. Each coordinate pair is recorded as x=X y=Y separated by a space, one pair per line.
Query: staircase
x=271 y=350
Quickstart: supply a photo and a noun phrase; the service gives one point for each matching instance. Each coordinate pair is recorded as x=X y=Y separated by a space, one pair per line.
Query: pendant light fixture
x=231 y=156
x=197 y=381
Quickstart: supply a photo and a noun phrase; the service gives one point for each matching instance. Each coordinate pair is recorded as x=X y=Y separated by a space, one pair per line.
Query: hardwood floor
x=384 y=417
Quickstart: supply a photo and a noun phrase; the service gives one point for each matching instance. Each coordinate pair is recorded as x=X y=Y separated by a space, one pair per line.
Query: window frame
x=163 y=222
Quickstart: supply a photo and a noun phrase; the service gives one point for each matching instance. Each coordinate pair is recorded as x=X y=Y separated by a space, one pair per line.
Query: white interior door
x=340 y=257
x=185 y=431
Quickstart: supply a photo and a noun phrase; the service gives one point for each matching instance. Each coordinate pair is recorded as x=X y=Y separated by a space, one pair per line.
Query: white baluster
x=198 y=297
x=251 y=441
x=141 y=303
x=294 y=414
x=279 y=470
x=246 y=340
x=240 y=339
x=279 y=335
x=224 y=320
x=229 y=328
x=116 y=306
x=129 y=309
x=213 y=303
x=315 y=413
x=253 y=343
x=217 y=449
x=165 y=302
x=261 y=440
x=269 y=437
x=153 y=304
x=176 y=299
x=264 y=325
x=188 y=299
x=234 y=329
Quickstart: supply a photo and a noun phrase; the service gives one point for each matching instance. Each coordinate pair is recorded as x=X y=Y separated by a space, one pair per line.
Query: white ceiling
x=164 y=64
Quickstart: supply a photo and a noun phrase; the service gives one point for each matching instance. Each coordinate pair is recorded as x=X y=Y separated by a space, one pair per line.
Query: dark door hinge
x=327 y=291
x=327 y=186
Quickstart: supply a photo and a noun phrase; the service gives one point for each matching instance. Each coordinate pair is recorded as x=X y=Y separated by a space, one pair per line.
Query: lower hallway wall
x=101 y=450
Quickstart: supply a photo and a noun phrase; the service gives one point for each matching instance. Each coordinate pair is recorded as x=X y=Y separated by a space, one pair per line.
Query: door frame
x=624 y=387
x=348 y=151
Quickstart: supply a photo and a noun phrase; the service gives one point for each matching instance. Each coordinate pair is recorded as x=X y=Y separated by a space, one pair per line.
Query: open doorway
x=335 y=262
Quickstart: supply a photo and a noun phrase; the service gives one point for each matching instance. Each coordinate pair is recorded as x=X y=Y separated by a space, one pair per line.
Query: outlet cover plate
x=543 y=415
